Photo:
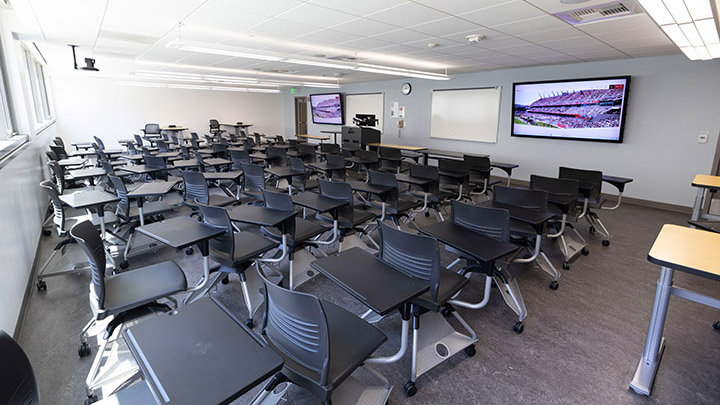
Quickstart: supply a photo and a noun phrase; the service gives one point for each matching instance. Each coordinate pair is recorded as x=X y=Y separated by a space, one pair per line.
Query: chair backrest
x=330 y=148
x=535 y=200
x=233 y=137
x=298 y=165
x=249 y=143
x=59 y=141
x=391 y=163
x=154 y=161
x=194 y=135
x=279 y=153
x=153 y=129
x=295 y=324
x=185 y=152
x=279 y=139
x=390 y=153
x=278 y=201
x=107 y=166
x=564 y=187
x=591 y=179
x=17 y=379
x=307 y=151
x=201 y=160
x=89 y=239
x=415 y=255
x=59 y=151
x=293 y=143
x=214 y=124
x=58 y=208
x=239 y=157
x=131 y=148
x=99 y=142
x=217 y=217
x=425 y=172
x=123 y=206
x=51 y=155
x=57 y=173
x=196 y=188
x=162 y=146
x=452 y=165
x=491 y=222
x=337 y=160
x=254 y=177
x=100 y=152
x=146 y=152
x=388 y=180
x=367 y=154
x=220 y=148
x=194 y=144
x=479 y=166
x=138 y=140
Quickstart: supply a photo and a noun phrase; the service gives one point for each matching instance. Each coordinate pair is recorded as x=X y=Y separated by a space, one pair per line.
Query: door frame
x=297 y=102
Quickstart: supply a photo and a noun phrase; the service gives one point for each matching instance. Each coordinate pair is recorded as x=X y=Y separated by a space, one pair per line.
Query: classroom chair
x=352 y=221
x=591 y=197
x=196 y=191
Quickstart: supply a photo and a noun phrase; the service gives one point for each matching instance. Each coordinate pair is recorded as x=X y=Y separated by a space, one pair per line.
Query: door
x=300 y=115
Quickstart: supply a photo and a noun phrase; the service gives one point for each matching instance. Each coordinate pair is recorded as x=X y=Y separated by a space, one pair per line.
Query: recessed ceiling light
x=432 y=45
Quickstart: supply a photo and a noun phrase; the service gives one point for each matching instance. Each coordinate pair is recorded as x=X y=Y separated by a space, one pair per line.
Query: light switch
x=703 y=137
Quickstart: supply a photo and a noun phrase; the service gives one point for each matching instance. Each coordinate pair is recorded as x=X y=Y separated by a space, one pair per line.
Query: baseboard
x=613 y=197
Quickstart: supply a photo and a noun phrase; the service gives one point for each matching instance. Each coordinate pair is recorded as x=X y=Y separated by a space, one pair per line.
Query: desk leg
x=140 y=201
x=655 y=344
x=101 y=218
x=382 y=218
x=198 y=291
x=699 y=199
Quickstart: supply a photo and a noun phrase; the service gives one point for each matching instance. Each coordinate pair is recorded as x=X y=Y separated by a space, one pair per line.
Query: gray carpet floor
x=581 y=343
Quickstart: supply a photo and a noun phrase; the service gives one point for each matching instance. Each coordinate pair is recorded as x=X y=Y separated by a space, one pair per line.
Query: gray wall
x=671 y=100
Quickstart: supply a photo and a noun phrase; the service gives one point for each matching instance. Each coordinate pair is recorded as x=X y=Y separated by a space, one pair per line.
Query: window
x=36 y=77
x=6 y=112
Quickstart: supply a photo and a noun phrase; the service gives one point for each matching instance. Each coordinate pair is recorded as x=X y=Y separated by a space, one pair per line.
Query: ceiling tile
x=359 y=8
x=555 y=6
x=364 y=43
x=280 y=28
x=326 y=37
x=266 y=8
x=633 y=22
x=403 y=36
x=213 y=15
x=363 y=27
x=407 y=14
x=456 y=7
x=444 y=26
x=553 y=35
x=503 y=13
x=531 y=25
x=316 y=16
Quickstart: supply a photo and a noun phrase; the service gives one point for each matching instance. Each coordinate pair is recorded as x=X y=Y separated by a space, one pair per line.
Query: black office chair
x=350 y=218
x=59 y=151
x=62 y=181
x=63 y=223
x=532 y=200
x=196 y=191
x=276 y=156
x=238 y=157
x=306 y=152
x=396 y=205
x=151 y=129
x=17 y=379
x=455 y=177
x=339 y=161
x=419 y=257
x=123 y=297
x=571 y=245
x=302 y=182
x=215 y=127
x=300 y=238
x=479 y=169
x=493 y=223
x=220 y=150
x=432 y=196
x=390 y=160
x=236 y=252
x=591 y=197
x=329 y=149
x=322 y=344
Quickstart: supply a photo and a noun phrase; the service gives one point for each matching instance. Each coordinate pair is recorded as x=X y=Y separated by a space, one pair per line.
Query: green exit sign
x=292 y=90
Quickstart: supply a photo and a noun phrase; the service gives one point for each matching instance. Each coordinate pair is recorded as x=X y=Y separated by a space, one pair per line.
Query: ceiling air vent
x=598 y=13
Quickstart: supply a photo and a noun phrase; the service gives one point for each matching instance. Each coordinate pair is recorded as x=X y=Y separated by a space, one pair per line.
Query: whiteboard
x=466 y=114
x=371 y=103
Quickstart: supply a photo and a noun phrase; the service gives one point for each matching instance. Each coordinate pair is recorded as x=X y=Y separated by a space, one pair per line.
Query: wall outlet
x=401 y=123
x=703 y=137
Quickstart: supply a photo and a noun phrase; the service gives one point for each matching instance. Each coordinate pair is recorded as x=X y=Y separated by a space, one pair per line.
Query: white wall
x=86 y=106
x=22 y=204
x=671 y=100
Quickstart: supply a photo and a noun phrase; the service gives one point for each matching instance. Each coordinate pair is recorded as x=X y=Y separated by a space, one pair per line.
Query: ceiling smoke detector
x=432 y=45
x=475 y=38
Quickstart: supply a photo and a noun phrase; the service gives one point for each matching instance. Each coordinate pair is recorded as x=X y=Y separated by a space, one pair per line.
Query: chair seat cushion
x=248 y=246
x=304 y=230
x=109 y=218
x=150 y=208
x=215 y=200
x=450 y=284
x=134 y=288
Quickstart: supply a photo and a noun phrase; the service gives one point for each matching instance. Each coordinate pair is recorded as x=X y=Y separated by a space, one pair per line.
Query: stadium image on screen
x=584 y=109
x=326 y=108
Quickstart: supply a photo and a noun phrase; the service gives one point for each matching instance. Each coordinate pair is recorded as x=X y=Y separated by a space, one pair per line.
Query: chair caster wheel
x=84 y=350
x=47 y=232
x=518 y=327
x=716 y=325
x=189 y=251
x=554 y=285
x=446 y=312
x=410 y=389
x=592 y=229
x=91 y=399
x=161 y=217
x=225 y=280
x=470 y=351
x=606 y=242
x=124 y=265
x=585 y=251
x=41 y=285
x=566 y=265
x=427 y=214
x=249 y=323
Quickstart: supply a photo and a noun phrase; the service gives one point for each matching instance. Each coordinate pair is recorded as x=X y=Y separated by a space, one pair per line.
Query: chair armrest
x=619 y=183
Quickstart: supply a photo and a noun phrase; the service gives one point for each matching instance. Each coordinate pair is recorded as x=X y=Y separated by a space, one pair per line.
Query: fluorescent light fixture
x=657 y=11
x=187 y=86
x=692 y=34
x=261 y=75
x=194 y=87
x=244 y=89
x=676 y=35
x=199 y=78
x=307 y=61
x=690 y=24
x=708 y=31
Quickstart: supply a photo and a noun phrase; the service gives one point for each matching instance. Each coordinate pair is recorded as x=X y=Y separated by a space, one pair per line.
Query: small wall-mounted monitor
x=327 y=108
x=581 y=109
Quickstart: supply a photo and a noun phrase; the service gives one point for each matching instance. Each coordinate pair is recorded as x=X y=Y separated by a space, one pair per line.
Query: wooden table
x=704 y=182
x=174 y=129
x=690 y=250
x=401 y=147
x=316 y=137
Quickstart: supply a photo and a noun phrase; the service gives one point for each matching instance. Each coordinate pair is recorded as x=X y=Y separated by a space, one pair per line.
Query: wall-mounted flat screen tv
x=579 y=109
x=327 y=108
